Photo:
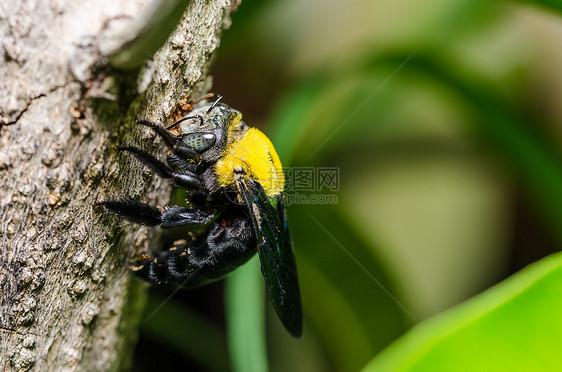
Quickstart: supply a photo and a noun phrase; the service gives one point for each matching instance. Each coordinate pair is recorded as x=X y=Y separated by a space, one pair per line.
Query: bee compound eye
x=200 y=142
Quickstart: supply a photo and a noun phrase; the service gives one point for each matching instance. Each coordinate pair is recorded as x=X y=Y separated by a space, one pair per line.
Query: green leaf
x=245 y=310
x=531 y=154
x=348 y=299
x=514 y=326
x=550 y=4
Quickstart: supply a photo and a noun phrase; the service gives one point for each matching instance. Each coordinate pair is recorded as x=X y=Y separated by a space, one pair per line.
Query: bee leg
x=185 y=179
x=158 y=167
x=149 y=215
x=180 y=164
x=174 y=265
x=225 y=245
x=172 y=141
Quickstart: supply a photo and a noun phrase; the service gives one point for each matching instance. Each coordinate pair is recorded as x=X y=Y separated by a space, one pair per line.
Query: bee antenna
x=219 y=97
x=177 y=122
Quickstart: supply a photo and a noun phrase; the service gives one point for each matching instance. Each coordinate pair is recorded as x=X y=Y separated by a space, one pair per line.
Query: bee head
x=210 y=128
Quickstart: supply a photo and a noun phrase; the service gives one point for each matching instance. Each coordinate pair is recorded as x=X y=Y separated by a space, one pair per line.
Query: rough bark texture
x=67 y=301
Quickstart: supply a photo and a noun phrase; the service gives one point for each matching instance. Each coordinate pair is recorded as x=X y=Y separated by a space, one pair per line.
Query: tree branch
x=67 y=300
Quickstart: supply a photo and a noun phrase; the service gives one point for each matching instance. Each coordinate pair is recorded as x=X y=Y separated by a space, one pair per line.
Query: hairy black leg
x=185 y=179
x=182 y=166
x=147 y=214
x=179 y=164
x=158 y=167
x=226 y=244
x=178 y=264
x=172 y=141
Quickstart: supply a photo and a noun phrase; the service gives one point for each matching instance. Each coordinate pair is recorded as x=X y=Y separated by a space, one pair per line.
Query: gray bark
x=67 y=301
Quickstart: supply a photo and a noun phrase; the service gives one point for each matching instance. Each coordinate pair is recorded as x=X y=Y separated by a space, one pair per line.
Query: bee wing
x=277 y=260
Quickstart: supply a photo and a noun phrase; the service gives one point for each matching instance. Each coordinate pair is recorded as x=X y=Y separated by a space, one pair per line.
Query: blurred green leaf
x=377 y=105
x=245 y=311
x=515 y=138
x=431 y=212
x=515 y=326
x=551 y=4
x=331 y=124
x=292 y=115
x=347 y=297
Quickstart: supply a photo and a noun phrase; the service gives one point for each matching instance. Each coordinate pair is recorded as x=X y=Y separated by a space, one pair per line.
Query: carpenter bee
x=234 y=182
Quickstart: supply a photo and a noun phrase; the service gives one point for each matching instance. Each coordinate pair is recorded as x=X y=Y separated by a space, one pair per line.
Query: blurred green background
x=442 y=118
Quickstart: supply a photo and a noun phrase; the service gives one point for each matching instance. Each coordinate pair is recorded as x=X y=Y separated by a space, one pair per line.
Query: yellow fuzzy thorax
x=251 y=156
